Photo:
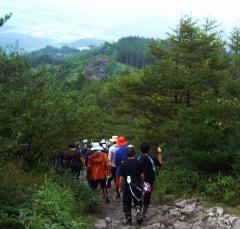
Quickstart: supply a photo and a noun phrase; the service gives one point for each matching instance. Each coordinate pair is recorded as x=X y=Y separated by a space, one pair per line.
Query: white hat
x=96 y=146
x=103 y=141
x=85 y=141
x=113 y=139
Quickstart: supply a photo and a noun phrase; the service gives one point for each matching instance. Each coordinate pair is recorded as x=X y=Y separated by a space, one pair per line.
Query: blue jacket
x=120 y=156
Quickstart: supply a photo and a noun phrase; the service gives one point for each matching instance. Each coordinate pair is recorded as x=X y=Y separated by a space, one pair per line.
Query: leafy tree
x=234 y=45
x=188 y=71
x=37 y=117
x=5 y=19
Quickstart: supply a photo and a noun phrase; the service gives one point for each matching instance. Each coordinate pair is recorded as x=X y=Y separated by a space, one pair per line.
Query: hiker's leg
x=108 y=184
x=146 y=202
x=116 y=182
x=117 y=185
x=93 y=184
x=138 y=207
x=104 y=189
x=127 y=205
x=113 y=172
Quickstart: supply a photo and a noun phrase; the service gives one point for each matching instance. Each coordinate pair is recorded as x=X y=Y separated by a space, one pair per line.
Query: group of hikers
x=114 y=160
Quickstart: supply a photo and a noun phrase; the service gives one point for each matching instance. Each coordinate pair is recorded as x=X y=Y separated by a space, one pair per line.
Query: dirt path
x=186 y=214
x=110 y=215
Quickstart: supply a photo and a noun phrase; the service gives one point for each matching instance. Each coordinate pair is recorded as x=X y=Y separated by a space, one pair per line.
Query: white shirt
x=111 y=154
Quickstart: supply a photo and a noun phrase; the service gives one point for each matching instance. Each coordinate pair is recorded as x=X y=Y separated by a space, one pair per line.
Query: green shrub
x=52 y=206
x=15 y=184
x=10 y=223
x=180 y=181
x=86 y=197
x=176 y=181
x=223 y=188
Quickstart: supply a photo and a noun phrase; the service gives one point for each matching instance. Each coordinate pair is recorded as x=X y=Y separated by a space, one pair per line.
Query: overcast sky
x=65 y=20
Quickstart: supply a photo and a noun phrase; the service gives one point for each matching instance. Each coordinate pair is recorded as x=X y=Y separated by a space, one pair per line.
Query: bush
x=52 y=206
x=86 y=197
x=15 y=184
x=181 y=181
x=176 y=181
x=223 y=188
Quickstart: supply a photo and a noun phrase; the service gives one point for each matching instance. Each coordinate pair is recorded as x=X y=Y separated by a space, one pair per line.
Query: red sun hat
x=121 y=141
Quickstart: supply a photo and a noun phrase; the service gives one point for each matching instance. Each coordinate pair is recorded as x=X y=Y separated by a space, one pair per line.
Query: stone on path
x=198 y=225
x=153 y=226
x=182 y=225
x=101 y=224
x=189 y=209
x=236 y=224
x=108 y=220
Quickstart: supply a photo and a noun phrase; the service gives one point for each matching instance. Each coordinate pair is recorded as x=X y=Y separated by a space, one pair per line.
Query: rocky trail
x=186 y=214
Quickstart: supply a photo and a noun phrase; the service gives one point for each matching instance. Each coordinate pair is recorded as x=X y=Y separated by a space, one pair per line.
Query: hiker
x=103 y=144
x=73 y=160
x=98 y=169
x=149 y=166
x=132 y=179
x=120 y=157
x=57 y=160
x=111 y=157
x=86 y=147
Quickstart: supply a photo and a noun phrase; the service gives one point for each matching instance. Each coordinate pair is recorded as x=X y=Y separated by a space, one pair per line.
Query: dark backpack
x=151 y=160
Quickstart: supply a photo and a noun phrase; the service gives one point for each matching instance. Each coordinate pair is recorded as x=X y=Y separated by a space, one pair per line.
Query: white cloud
x=69 y=19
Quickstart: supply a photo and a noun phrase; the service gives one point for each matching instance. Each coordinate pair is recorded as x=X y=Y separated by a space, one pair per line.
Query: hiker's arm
x=107 y=166
x=83 y=162
x=142 y=178
x=159 y=155
x=110 y=155
x=89 y=164
x=120 y=183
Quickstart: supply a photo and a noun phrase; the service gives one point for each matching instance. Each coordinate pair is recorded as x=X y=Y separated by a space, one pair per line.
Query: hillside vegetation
x=182 y=93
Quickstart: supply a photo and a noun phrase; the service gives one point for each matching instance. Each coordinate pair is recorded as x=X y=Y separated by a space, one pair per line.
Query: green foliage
x=185 y=181
x=184 y=98
x=182 y=91
x=51 y=55
x=37 y=116
x=4 y=19
x=52 y=206
x=132 y=51
x=221 y=188
x=210 y=133
x=16 y=185
x=85 y=196
x=11 y=223
x=178 y=181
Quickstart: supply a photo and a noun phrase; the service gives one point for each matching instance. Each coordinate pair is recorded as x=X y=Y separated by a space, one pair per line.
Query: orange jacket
x=98 y=166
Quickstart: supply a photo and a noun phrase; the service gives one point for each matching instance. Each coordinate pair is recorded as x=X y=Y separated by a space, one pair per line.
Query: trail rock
x=211 y=225
x=108 y=220
x=216 y=211
x=198 y=225
x=232 y=219
x=182 y=225
x=181 y=204
x=236 y=224
x=174 y=212
x=189 y=209
x=153 y=226
x=164 y=208
x=101 y=224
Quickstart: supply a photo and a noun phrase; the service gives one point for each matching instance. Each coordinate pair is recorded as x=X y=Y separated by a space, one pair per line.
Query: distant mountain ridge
x=84 y=42
x=30 y=43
